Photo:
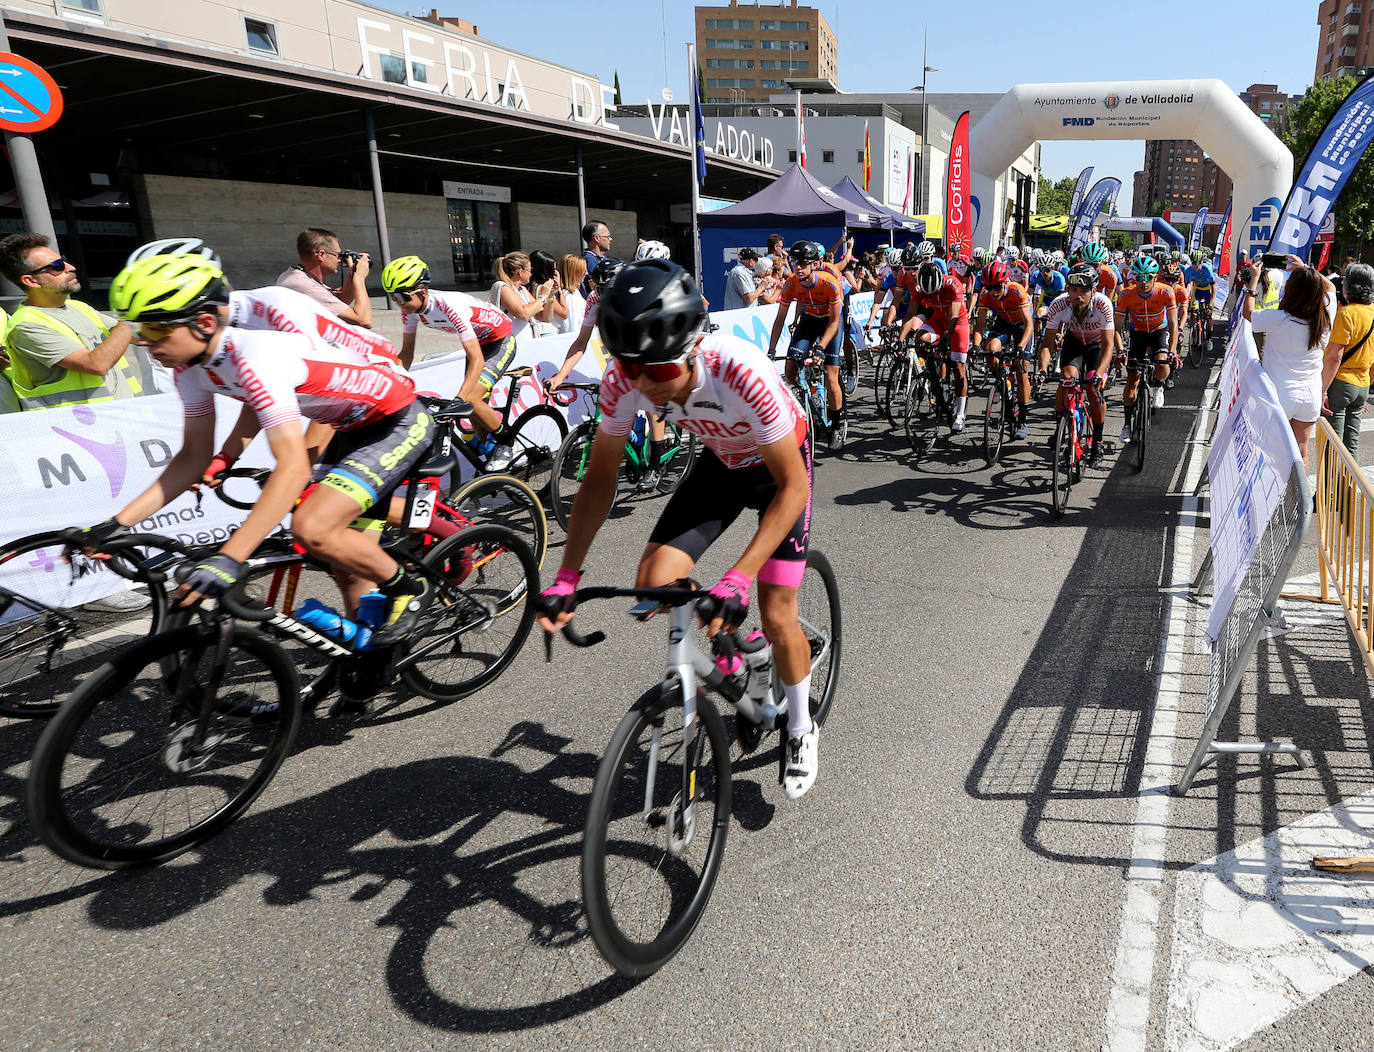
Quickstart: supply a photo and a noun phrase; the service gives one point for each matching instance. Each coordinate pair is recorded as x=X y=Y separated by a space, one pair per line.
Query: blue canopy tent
x=796 y=205
x=898 y=228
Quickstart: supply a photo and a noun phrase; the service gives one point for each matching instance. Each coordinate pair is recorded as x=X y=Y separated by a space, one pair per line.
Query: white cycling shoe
x=1159 y=397
x=958 y=424
x=802 y=763
x=1125 y=437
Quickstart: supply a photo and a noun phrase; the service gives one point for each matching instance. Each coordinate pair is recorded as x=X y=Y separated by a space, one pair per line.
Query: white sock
x=798 y=707
x=959 y=404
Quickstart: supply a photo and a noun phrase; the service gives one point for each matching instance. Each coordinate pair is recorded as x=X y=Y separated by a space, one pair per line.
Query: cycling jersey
x=1009 y=306
x=1096 y=320
x=944 y=313
x=1147 y=313
x=1202 y=276
x=1106 y=280
x=284 y=376
x=739 y=404
x=1020 y=273
x=818 y=298
x=275 y=307
x=1050 y=283
x=461 y=315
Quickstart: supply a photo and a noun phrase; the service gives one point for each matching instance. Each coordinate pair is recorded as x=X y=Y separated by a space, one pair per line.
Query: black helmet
x=804 y=252
x=605 y=271
x=1082 y=275
x=911 y=257
x=651 y=312
x=929 y=279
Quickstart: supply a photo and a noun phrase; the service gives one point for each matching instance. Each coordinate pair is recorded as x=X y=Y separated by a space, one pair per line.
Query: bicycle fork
x=681 y=675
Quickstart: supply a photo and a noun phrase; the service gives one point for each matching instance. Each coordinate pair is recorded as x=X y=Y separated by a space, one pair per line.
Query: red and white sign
x=958 y=212
x=30 y=100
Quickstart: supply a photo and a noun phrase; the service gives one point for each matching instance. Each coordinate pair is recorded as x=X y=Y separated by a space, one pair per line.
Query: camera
x=348 y=258
x=1245 y=274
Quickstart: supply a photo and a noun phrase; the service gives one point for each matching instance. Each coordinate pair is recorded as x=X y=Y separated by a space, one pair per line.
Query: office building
x=749 y=51
x=1344 y=47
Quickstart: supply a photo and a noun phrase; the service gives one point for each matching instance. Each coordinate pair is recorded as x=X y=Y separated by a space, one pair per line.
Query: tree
x=1355 y=207
x=1118 y=240
x=618 y=100
x=1053 y=199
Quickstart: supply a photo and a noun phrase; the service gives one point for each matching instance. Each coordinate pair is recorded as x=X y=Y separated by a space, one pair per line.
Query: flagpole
x=696 y=187
x=801 y=134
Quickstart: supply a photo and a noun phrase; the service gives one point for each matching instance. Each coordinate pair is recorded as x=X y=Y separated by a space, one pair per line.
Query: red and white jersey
x=286 y=310
x=285 y=376
x=1097 y=319
x=464 y=316
x=1019 y=271
x=739 y=404
x=589 y=319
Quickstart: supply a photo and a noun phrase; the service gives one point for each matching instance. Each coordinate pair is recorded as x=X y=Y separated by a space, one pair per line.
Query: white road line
x=1128 y=1004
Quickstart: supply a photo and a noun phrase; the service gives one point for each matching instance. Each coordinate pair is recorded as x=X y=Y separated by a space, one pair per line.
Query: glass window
x=791 y=156
x=729 y=23
x=479 y=232
x=828 y=156
x=772 y=83
x=82 y=7
x=784 y=45
x=262 y=36
x=795 y=64
x=393 y=68
x=730 y=45
x=729 y=63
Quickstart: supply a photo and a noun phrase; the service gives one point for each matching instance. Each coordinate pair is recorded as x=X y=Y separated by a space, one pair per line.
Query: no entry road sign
x=30 y=99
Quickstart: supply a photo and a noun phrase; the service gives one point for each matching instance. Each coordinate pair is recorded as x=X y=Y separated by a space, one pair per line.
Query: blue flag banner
x=1102 y=193
x=1195 y=235
x=1079 y=189
x=700 y=130
x=1337 y=151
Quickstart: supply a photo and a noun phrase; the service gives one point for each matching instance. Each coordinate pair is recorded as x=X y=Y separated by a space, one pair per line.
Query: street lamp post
x=925 y=69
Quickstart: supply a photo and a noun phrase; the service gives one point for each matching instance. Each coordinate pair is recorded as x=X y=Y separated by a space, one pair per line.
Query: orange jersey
x=1008 y=307
x=817 y=299
x=1180 y=294
x=1147 y=313
x=834 y=271
x=1106 y=280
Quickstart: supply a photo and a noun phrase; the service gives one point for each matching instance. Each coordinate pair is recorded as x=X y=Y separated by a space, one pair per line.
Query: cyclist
x=284 y=376
x=757 y=455
x=1171 y=274
x=1049 y=284
x=1084 y=316
x=1152 y=310
x=1017 y=267
x=819 y=302
x=484 y=331
x=1012 y=327
x=1096 y=254
x=1203 y=277
x=937 y=309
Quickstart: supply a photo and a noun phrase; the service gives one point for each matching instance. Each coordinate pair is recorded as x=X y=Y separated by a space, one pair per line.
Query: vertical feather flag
x=868 y=159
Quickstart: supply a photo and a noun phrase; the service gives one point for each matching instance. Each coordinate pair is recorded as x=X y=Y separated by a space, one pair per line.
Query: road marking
x=1258 y=933
x=1128 y=1003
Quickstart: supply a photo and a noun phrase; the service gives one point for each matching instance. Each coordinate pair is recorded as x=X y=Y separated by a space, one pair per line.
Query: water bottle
x=485 y=446
x=330 y=622
x=638 y=435
x=758 y=679
x=372 y=609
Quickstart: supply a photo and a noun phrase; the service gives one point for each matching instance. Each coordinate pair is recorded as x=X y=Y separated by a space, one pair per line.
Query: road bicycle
x=660 y=804
x=676 y=457
x=1142 y=413
x=813 y=397
x=1199 y=334
x=930 y=397
x=1073 y=443
x=168 y=742
x=1001 y=403
x=901 y=377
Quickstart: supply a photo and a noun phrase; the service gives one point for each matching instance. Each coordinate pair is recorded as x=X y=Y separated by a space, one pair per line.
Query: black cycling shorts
x=1010 y=334
x=498 y=356
x=810 y=328
x=711 y=498
x=1074 y=353
x=1144 y=347
x=369 y=462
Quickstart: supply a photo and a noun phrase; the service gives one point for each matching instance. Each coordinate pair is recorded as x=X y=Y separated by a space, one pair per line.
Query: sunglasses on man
x=57 y=266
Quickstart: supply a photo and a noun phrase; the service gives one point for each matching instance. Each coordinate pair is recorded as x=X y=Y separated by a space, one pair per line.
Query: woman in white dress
x=514 y=276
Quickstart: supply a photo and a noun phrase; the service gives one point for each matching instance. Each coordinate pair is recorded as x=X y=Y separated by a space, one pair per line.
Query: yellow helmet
x=404 y=274
x=168 y=289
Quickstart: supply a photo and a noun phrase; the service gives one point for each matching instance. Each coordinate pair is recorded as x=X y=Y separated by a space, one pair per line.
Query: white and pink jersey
x=463 y=316
x=1096 y=320
x=589 y=319
x=281 y=309
x=739 y=404
x=285 y=376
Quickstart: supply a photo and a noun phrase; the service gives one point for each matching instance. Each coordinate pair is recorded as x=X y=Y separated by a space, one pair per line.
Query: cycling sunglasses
x=57 y=266
x=658 y=372
x=155 y=333
x=405 y=297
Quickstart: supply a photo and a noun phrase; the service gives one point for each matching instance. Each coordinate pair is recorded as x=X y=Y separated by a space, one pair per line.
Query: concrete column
x=28 y=178
x=581 y=193
x=378 y=202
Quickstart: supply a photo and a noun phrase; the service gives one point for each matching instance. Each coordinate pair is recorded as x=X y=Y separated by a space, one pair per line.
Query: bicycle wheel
x=117 y=779
x=849 y=370
x=679 y=454
x=994 y=419
x=1197 y=343
x=803 y=400
x=569 y=468
x=1062 y=466
x=481 y=616
x=536 y=436
x=648 y=865
x=896 y=389
x=61 y=619
x=1140 y=426
x=506 y=501
x=922 y=417
x=818 y=604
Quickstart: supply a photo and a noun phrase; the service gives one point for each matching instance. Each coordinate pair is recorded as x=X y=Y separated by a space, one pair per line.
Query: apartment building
x=1345 y=47
x=749 y=51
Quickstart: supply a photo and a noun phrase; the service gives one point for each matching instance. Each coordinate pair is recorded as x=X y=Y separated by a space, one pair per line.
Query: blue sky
x=987 y=46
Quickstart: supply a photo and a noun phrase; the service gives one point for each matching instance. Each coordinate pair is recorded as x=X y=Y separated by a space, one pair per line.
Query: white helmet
x=893 y=256
x=1013 y=252
x=926 y=248
x=651 y=250
x=173 y=246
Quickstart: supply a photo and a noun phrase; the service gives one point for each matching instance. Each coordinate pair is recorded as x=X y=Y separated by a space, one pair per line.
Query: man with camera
x=321 y=258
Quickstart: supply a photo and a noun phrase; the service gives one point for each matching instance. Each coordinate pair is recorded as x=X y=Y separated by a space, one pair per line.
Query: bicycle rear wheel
x=536 y=436
x=649 y=856
x=120 y=777
x=505 y=501
x=849 y=370
x=481 y=616
x=818 y=605
x=679 y=454
x=570 y=468
x=1062 y=466
x=994 y=419
x=897 y=388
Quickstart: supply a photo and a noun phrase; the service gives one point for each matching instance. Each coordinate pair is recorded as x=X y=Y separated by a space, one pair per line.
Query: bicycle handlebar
x=258 y=475
x=138 y=572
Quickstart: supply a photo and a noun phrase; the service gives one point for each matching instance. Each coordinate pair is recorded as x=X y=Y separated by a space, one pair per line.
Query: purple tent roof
x=795 y=196
x=890 y=218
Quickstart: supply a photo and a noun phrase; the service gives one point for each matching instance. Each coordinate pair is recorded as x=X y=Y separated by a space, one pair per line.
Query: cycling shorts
x=1074 y=353
x=958 y=339
x=366 y=464
x=810 y=328
x=1204 y=297
x=711 y=498
x=1010 y=334
x=1145 y=345
x=499 y=355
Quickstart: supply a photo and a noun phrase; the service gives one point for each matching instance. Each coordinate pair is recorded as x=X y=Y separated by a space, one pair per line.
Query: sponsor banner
x=1337 y=151
x=1100 y=196
x=958 y=183
x=1223 y=252
x=1195 y=235
x=698 y=129
x=1079 y=189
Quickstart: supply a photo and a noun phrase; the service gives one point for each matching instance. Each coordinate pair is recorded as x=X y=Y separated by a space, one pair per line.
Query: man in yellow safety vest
x=62 y=351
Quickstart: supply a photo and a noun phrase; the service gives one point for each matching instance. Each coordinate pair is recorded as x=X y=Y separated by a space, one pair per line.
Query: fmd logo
x=1079 y=122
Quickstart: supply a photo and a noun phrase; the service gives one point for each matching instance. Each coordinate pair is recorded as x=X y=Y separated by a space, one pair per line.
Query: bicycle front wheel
x=1197 y=343
x=505 y=501
x=679 y=454
x=122 y=776
x=1061 y=472
x=570 y=468
x=536 y=436
x=922 y=416
x=1141 y=425
x=656 y=827
x=994 y=420
x=481 y=616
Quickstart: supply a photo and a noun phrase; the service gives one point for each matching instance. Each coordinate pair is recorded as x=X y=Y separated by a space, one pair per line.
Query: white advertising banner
x=1253 y=453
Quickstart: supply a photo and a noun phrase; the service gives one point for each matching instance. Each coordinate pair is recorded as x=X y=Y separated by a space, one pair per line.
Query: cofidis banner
x=1337 y=151
x=958 y=182
x=1102 y=193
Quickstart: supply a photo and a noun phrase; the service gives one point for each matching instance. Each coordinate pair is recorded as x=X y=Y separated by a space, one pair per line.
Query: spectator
x=778 y=254
x=572 y=269
x=770 y=280
x=544 y=271
x=1297 y=333
x=320 y=258
x=1349 y=356
x=741 y=288
x=62 y=351
x=511 y=292
x=596 y=236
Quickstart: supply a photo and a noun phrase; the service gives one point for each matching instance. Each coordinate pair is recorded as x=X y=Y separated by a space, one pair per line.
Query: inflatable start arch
x=1206 y=111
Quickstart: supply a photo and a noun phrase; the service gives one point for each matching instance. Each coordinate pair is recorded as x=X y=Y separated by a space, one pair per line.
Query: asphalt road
x=955 y=879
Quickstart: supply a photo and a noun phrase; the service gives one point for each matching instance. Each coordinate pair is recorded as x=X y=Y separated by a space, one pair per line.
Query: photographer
x=320 y=258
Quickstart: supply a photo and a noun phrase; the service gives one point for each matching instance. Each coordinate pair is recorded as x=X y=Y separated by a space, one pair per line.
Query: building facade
x=749 y=51
x=1344 y=44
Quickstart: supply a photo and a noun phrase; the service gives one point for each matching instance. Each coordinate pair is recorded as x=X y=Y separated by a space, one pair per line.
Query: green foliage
x=1053 y=199
x=1355 y=207
x=1118 y=239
